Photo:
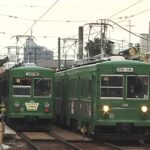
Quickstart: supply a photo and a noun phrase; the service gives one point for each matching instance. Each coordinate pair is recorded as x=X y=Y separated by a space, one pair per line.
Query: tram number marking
x=31 y=106
x=111 y=116
x=124 y=105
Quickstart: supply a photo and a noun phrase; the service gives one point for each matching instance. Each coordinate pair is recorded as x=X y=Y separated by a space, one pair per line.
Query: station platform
x=9 y=136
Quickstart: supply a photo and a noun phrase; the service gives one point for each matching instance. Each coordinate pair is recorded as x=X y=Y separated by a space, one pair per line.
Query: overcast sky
x=64 y=18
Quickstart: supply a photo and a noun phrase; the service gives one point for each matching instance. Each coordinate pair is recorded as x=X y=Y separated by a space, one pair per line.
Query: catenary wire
x=41 y=16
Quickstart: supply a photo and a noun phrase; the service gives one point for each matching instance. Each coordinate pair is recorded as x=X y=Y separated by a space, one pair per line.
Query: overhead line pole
x=59 y=58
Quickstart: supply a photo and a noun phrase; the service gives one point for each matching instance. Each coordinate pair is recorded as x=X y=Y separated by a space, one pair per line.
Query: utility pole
x=59 y=54
x=17 y=40
x=80 y=51
x=129 y=32
x=35 y=57
x=9 y=48
x=122 y=44
x=129 y=25
x=17 y=50
x=149 y=39
x=68 y=44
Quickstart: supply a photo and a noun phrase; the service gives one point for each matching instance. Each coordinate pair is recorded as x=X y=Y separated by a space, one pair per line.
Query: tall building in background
x=34 y=53
x=144 y=43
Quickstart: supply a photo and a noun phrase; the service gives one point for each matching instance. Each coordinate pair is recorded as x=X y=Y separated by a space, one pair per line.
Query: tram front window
x=111 y=86
x=21 y=86
x=137 y=87
x=42 y=87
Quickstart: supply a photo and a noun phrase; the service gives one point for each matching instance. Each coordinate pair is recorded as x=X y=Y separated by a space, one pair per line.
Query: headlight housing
x=106 y=108
x=144 y=109
x=47 y=107
x=47 y=104
x=17 y=107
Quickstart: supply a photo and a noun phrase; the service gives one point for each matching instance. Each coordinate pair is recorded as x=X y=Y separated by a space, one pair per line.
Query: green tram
x=28 y=95
x=109 y=100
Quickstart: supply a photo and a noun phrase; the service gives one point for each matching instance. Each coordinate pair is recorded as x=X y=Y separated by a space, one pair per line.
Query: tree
x=99 y=46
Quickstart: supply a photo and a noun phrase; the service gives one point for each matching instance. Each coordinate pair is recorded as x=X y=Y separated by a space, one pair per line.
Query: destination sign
x=32 y=74
x=125 y=69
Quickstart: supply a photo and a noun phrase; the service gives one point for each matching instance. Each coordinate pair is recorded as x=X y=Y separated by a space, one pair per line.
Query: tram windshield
x=42 y=87
x=111 y=86
x=137 y=86
x=21 y=86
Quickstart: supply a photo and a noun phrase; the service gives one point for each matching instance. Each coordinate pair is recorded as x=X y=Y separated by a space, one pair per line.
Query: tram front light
x=144 y=109
x=47 y=107
x=17 y=107
x=46 y=110
x=47 y=104
x=106 y=108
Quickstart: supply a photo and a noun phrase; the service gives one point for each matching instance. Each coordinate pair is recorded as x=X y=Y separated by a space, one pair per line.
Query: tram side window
x=137 y=87
x=111 y=86
x=42 y=87
x=86 y=88
x=58 y=85
x=73 y=88
x=21 y=86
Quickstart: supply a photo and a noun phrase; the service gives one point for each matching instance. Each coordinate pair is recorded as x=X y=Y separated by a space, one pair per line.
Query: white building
x=144 y=43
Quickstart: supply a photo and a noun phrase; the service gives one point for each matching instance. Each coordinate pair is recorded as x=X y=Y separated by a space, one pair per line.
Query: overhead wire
x=16 y=17
x=117 y=14
x=132 y=5
x=39 y=19
x=35 y=21
x=41 y=16
x=27 y=19
x=127 y=17
x=125 y=9
x=31 y=6
x=130 y=16
x=127 y=30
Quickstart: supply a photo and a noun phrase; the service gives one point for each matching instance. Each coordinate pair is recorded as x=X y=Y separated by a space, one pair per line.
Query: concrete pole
x=59 y=55
x=80 y=50
x=149 y=39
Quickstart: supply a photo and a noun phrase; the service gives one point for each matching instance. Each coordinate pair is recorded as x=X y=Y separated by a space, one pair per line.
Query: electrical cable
x=128 y=30
x=41 y=16
x=124 y=9
x=127 y=17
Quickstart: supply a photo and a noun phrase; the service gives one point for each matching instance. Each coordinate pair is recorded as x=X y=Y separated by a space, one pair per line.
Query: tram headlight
x=144 y=109
x=47 y=104
x=17 y=107
x=47 y=107
x=106 y=108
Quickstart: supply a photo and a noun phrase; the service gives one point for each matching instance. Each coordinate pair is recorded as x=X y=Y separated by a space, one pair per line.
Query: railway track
x=50 y=141
x=128 y=146
x=28 y=141
x=66 y=140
